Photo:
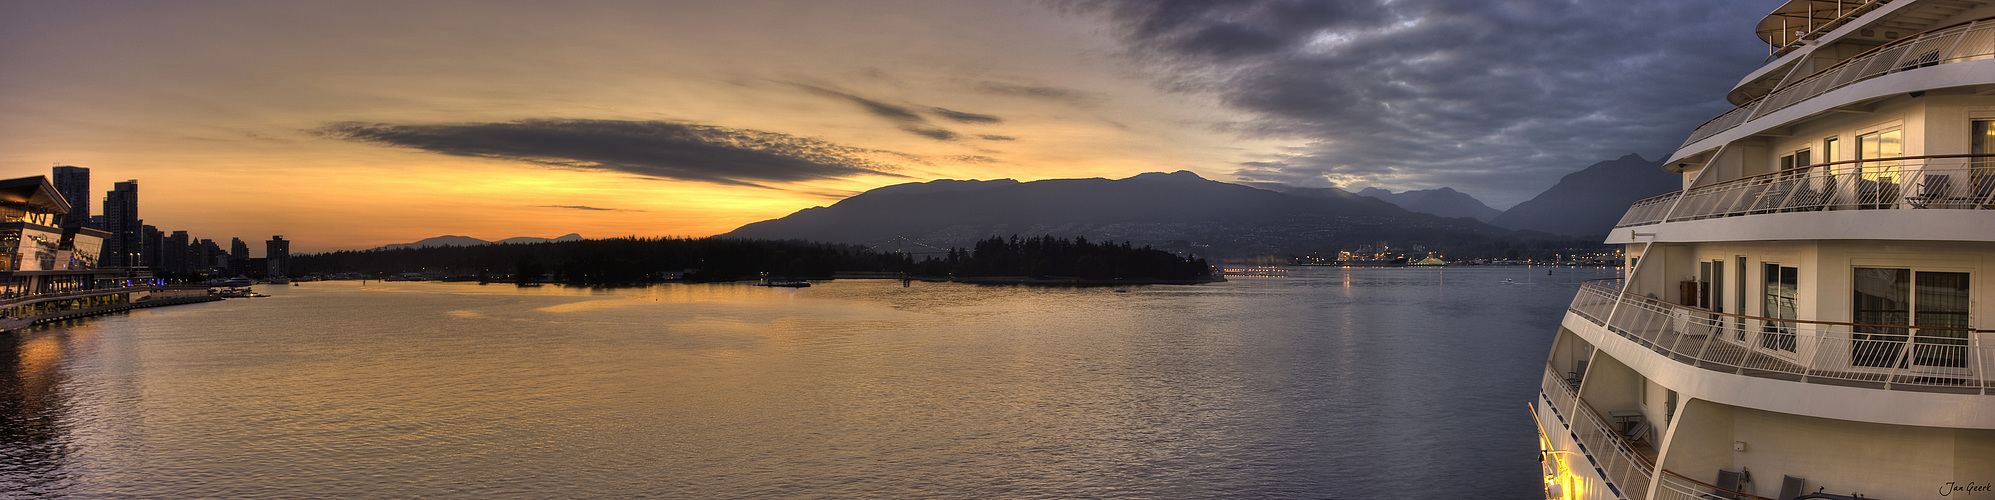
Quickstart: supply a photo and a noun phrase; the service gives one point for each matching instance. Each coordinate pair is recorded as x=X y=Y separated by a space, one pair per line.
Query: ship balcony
x=1629 y=465
x=1888 y=357
x=1959 y=43
x=1960 y=186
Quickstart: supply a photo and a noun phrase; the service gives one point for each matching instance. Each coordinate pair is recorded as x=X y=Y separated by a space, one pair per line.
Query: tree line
x=1050 y=257
x=633 y=260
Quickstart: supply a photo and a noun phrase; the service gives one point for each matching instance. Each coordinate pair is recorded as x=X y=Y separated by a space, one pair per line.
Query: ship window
x=1704 y=285
x=1798 y=159
x=1877 y=183
x=1782 y=285
x=1718 y=286
x=1932 y=304
x=1982 y=176
x=1829 y=149
x=1739 y=286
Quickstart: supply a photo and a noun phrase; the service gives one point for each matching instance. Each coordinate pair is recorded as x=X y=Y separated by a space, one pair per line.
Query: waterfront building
x=121 y=219
x=1806 y=318
x=238 y=249
x=74 y=185
x=277 y=255
x=38 y=257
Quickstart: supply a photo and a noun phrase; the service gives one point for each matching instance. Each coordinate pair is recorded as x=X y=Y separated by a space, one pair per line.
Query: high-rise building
x=173 y=254
x=121 y=219
x=206 y=255
x=238 y=249
x=150 y=242
x=277 y=255
x=74 y=185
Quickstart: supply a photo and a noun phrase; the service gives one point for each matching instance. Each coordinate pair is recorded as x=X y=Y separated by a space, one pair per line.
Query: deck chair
x=1639 y=433
x=1932 y=189
x=1578 y=374
x=1729 y=481
x=1791 y=486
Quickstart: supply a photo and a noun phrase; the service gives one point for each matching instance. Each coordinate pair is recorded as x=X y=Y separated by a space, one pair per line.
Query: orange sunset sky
x=353 y=124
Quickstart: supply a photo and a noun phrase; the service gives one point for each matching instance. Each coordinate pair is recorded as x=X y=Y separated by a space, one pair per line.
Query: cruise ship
x=1801 y=320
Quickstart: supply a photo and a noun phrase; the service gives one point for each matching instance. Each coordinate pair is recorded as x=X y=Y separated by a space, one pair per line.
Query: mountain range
x=1177 y=211
x=1587 y=203
x=467 y=241
x=1181 y=211
x=1445 y=202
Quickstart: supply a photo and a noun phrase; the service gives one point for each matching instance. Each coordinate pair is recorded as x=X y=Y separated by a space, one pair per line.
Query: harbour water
x=1328 y=383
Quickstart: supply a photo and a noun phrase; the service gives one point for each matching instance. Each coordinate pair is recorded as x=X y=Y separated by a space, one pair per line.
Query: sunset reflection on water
x=1323 y=383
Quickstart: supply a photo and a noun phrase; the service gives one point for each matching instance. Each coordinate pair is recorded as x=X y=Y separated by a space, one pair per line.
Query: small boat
x=788 y=283
x=1507 y=282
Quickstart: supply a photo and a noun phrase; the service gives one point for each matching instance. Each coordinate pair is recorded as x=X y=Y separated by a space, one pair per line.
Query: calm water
x=1380 y=383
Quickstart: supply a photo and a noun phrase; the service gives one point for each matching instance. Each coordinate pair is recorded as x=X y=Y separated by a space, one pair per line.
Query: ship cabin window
x=1782 y=285
x=1982 y=142
x=1829 y=146
x=1739 y=296
x=1797 y=159
x=1711 y=285
x=1893 y=305
x=1877 y=181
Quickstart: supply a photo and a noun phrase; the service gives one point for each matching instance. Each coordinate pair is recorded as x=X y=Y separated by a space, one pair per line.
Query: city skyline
x=362 y=124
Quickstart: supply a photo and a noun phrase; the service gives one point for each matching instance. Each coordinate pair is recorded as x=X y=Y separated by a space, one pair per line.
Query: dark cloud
x=998 y=138
x=974 y=159
x=589 y=208
x=940 y=134
x=905 y=117
x=963 y=117
x=658 y=149
x=1495 y=97
x=1057 y=94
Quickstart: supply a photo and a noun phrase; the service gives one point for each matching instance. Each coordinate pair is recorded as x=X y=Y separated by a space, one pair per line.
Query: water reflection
x=32 y=441
x=1339 y=383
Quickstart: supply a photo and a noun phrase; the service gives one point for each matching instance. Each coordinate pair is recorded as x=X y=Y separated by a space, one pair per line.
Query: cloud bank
x=656 y=149
x=1503 y=96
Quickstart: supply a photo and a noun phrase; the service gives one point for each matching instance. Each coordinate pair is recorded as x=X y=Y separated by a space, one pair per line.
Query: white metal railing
x=1559 y=390
x=1673 y=486
x=1596 y=301
x=1961 y=42
x=1939 y=182
x=1648 y=211
x=1611 y=452
x=1628 y=470
x=1893 y=357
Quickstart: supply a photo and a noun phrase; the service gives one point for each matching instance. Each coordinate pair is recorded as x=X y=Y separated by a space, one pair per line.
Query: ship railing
x=1648 y=211
x=1628 y=469
x=1966 y=41
x=1596 y=299
x=1673 y=486
x=1933 y=182
x=1560 y=389
x=1894 y=357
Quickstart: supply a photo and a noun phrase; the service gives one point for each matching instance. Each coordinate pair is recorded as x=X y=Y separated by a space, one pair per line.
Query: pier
x=23 y=312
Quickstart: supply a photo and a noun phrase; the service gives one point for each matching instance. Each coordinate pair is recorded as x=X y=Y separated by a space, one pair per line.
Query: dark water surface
x=1331 y=383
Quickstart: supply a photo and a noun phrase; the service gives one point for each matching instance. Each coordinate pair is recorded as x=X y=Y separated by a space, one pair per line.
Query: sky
x=354 y=124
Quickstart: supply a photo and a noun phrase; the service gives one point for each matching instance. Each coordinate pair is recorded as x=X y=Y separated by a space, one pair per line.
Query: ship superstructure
x=1806 y=318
